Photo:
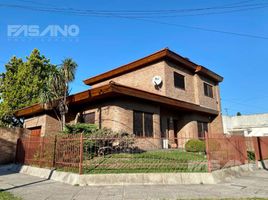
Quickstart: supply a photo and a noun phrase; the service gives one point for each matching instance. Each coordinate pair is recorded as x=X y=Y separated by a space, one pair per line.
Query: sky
x=229 y=37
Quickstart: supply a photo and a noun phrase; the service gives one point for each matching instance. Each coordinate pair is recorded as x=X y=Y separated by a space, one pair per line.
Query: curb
x=135 y=178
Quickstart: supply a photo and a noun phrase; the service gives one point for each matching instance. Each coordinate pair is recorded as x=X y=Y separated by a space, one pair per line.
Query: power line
x=131 y=12
x=207 y=29
x=96 y=14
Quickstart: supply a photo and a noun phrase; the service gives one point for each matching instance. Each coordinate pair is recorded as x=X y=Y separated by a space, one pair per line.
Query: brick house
x=163 y=95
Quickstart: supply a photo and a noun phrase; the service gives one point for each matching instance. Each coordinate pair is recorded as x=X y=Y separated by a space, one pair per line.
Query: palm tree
x=57 y=88
x=68 y=69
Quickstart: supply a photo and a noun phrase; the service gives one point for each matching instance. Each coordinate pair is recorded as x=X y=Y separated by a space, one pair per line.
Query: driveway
x=34 y=188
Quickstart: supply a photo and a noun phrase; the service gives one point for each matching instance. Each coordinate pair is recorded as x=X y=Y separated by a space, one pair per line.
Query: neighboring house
x=163 y=95
x=248 y=125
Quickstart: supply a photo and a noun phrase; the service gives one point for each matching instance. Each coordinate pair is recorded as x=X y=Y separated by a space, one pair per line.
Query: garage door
x=36 y=131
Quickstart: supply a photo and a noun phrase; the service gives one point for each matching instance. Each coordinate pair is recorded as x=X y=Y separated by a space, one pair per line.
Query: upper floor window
x=208 y=90
x=89 y=118
x=179 y=81
x=143 y=124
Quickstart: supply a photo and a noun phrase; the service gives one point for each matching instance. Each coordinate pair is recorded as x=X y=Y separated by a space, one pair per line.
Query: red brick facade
x=117 y=113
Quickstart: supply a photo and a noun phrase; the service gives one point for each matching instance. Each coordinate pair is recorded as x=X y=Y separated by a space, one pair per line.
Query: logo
x=35 y=31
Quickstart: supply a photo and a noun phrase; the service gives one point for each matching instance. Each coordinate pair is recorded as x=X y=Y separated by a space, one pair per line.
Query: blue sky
x=104 y=43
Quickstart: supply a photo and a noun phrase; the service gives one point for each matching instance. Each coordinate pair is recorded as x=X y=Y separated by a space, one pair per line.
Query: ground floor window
x=202 y=128
x=143 y=124
x=89 y=118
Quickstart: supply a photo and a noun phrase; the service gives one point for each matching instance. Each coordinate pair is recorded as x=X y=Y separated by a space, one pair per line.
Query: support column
x=171 y=134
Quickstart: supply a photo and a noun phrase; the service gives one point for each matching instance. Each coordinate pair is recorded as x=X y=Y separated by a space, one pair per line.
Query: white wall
x=251 y=125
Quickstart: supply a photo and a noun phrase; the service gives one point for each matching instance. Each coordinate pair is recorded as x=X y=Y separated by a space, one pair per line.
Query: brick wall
x=208 y=102
x=8 y=142
x=216 y=126
x=141 y=78
x=48 y=122
x=36 y=121
x=193 y=92
x=52 y=125
x=187 y=94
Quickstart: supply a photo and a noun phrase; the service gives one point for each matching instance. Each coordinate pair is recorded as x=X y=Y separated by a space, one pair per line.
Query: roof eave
x=157 y=56
x=112 y=89
x=137 y=64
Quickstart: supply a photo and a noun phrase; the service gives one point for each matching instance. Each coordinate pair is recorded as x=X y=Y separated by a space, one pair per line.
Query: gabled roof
x=115 y=90
x=164 y=54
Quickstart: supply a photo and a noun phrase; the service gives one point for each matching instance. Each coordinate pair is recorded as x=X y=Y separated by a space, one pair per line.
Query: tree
x=57 y=88
x=21 y=84
x=238 y=114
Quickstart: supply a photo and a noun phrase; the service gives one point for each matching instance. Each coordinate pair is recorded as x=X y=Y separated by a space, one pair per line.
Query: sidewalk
x=34 y=188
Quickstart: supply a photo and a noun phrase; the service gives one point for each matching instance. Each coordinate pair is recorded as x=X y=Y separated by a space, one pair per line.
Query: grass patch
x=8 y=196
x=144 y=162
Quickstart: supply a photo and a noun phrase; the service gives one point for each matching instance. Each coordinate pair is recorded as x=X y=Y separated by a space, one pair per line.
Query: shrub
x=100 y=138
x=80 y=128
x=195 y=145
x=251 y=155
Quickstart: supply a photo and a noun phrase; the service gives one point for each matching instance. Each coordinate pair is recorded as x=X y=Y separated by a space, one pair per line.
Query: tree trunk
x=64 y=105
x=63 y=121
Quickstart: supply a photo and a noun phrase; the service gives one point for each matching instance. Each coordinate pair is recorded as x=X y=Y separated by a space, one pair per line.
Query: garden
x=86 y=149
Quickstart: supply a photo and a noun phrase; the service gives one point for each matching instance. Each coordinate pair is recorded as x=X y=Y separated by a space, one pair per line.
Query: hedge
x=195 y=145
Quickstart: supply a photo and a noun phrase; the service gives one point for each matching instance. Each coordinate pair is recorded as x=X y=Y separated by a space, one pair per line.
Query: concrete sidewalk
x=34 y=188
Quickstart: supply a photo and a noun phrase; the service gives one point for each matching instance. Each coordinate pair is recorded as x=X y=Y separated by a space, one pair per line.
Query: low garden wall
x=135 y=178
x=8 y=142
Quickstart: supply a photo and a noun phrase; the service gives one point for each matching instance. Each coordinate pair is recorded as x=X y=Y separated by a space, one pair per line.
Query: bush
x=195 y=145
x=97 y=139
x=251 y=155
x=80 y=128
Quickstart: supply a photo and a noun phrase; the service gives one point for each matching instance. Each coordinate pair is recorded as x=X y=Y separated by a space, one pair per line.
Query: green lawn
x=7 y=196
x=146 y=162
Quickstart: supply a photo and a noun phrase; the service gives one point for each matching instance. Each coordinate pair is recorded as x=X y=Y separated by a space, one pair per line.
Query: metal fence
x=261 y=146
x=226 y=151
x=125 y=154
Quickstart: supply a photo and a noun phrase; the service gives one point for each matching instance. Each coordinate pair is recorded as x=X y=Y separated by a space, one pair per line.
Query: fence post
x=81 y=155
x=258 y=153
x=54 y=152
x=256 y=150
x=207 y=150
